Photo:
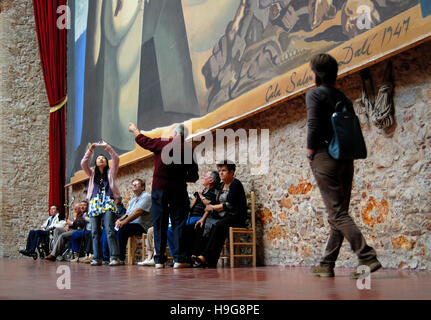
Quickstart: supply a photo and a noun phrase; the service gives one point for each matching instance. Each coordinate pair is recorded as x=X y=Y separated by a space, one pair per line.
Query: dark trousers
x=34 y=238
x=189 y=236
x=334 y=179
x=217 y=237
x=172 y=204
x=123 y=234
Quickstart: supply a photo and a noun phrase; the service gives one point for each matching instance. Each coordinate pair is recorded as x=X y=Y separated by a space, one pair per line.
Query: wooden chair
x=131 y=248
x=234 y=245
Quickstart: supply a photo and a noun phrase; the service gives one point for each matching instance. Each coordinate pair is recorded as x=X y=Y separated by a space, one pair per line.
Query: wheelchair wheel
x=67 y=255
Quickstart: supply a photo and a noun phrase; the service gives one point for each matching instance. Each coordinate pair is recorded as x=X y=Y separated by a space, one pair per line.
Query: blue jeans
x=77 y=241
x=190 y=221
x=104 y=244
x=108 y=225
x=174 y=204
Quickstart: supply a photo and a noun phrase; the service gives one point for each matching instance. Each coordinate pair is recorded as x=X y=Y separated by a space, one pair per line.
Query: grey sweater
x=320 y=104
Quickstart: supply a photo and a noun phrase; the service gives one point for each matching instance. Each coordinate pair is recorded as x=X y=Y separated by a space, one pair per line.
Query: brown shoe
x=322 y=271
x=51 y=257
x=374 y=265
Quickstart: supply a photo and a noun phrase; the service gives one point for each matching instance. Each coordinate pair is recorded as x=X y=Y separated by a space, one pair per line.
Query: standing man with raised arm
x=169 y=195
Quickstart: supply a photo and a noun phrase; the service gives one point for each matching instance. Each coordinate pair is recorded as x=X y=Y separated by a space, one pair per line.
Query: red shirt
x=165 y=176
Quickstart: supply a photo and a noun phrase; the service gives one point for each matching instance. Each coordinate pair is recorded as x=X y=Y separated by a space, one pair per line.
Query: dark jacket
x=198 y=208
x=321 y=103
x=236 y=202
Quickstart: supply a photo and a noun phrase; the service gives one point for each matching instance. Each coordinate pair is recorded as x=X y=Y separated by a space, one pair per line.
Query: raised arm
x=153 y=144
x=115 y=159
x=86 y=159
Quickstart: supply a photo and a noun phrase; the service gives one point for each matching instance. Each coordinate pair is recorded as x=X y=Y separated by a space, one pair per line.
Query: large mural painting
x=211 y=62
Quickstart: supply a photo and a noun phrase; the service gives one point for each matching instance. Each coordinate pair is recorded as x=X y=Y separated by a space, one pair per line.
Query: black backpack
x=347 y=141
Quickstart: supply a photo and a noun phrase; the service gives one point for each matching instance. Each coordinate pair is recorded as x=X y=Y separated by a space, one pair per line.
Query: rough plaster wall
x=24 y=123
x=392 y=189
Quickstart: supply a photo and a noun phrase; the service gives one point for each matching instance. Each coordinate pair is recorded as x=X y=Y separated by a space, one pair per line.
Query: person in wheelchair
x=36 y=237
x=72 y=226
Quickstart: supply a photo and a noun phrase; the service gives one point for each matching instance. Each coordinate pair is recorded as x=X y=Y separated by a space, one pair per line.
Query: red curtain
x=52 y=50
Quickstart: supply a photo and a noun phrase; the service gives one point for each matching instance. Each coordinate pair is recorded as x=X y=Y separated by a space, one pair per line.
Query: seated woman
x=230 y=212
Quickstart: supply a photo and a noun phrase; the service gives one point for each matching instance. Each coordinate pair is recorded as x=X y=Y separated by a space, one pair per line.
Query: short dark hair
x=84 y=201
x=229 y=164
x=325 y=67
x=142 y=182
x=216 y=177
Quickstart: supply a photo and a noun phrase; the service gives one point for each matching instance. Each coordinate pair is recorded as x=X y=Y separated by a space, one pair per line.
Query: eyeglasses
x=135 y=184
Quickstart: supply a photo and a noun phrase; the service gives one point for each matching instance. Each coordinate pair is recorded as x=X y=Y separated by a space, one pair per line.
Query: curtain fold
x=52 y=50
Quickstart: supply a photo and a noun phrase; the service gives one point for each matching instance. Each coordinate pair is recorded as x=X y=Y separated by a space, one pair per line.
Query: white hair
x=181 y=130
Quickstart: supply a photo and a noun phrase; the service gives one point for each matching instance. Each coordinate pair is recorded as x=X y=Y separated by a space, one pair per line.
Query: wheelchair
x=44 y=247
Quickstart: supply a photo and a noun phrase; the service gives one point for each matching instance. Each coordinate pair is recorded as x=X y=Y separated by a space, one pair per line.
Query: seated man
x=78 y=222
x=137 y=219
x=56 y=220
x=191 y=235
x=81 y=239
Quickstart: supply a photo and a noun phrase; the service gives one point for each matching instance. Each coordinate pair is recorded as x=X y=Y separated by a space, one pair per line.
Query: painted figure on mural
x=121 y=82
x=268 y=38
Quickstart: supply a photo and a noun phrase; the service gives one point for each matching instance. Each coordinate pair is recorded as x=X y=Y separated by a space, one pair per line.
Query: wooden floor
x=29 y=279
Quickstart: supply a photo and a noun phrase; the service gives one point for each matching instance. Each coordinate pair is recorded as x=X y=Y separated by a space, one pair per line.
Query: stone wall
x=24 y=121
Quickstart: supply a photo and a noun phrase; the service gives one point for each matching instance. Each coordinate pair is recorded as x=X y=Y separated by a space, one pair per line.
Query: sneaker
x=147 y=263
x=143 y=263
x=323 y=271
x=87 y=259
x=105 y=262
x=374 y=265
x=160 y=265
x=76 y=259
x=182 y=265
x=95 y=262
x=121 y=262
x=114 y=262
x=150 y=262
